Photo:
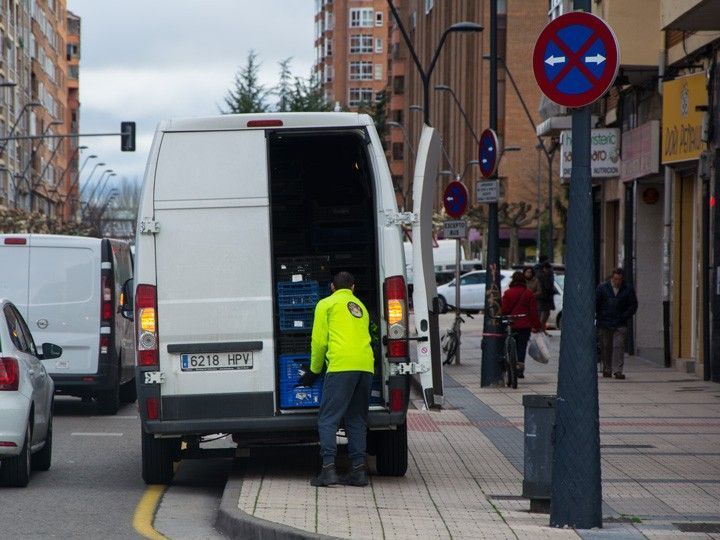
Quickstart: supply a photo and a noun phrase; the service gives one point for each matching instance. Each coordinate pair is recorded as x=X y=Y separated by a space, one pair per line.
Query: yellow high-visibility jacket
x=341 y=335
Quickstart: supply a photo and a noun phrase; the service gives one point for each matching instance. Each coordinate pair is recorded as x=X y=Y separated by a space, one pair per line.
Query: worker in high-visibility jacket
x=341 y=340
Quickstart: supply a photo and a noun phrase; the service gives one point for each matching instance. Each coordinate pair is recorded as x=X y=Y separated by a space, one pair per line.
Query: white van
x=67 y=288
x=232 y=207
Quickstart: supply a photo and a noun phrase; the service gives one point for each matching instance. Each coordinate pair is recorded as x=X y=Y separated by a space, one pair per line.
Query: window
x=398 y=85
x=328 y=47
x=429 y=5
x=16 y=334
x=379 y=18
x=398 y=151
x=378 y=72
x=361 y=17
x=329 y=73
x=360 y=44
x=473 y=279
x=378 y=45
x=361 y=71
x=413 y=20
x=360 y=95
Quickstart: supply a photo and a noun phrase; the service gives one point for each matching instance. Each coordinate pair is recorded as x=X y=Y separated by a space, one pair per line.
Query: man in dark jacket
x=615 y=303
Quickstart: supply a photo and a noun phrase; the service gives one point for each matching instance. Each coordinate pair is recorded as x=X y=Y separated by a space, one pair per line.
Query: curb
x=235 y=523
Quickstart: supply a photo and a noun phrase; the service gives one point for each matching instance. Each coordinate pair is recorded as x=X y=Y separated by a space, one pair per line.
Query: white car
x=472 y=290
x=555 y=318
x=26 y=400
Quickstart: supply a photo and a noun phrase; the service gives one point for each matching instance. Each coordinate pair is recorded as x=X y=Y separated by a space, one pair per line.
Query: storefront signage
x=640 y=151
x=604 y=153
x=684 y=105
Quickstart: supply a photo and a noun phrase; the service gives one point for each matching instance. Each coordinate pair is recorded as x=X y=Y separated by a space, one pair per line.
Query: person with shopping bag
x=519 y=301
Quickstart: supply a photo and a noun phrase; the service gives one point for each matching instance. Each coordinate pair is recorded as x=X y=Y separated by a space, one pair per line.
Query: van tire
x=391 y=449
x=41 y=460
x=108 y=401
x=157 y=459
x=128 y=392
x=15 y=471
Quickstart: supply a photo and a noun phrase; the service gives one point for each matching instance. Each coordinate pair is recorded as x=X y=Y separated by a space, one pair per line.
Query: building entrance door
x=683 y=300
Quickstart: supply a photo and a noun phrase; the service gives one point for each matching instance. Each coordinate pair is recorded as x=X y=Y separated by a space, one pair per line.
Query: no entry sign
x=455 y=199
x=488 y=153
x=576 y=59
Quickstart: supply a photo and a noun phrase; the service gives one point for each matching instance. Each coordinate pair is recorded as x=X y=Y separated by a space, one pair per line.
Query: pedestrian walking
x=341 y=342
x=532 y=281
x=615 y=304
x=519 y=300
x=545 y=300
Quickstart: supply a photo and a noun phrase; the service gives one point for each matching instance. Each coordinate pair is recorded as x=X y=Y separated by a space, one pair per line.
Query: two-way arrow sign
x=597 y=59
x=555 y=60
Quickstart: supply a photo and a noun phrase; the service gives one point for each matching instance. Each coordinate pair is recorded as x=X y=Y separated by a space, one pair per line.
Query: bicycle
x=510 y=348
x=450 y=341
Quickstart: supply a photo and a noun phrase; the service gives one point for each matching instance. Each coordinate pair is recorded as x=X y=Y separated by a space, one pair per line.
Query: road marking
x=96 y=434
x=145 y=512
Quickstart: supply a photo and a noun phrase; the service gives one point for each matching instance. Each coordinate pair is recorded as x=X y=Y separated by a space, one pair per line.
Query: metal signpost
x=455 y=200
x=575 y=62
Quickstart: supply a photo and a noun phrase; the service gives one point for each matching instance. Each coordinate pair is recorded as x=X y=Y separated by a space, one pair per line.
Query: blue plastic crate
x=292 y=366
x=296 y=319
x=295 y=294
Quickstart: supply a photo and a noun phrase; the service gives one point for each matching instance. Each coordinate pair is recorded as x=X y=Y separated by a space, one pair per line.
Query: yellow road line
x=145 y=512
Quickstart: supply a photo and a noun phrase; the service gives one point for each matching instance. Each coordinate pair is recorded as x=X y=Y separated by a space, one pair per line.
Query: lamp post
x=87 y=180
x=25 y=107
x=97 y=185
x=468 y=124
x=45 y=168
x=104 y=187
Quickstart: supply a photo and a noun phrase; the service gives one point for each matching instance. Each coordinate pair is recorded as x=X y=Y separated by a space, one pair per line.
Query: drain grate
x=507 y=497
x=621 y=519
x=689 y=389
x=698 y=527
x=626 y=446
x=681 y=380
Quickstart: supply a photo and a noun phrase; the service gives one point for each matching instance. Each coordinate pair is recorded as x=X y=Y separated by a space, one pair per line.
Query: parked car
x=472 y=290
x=26 y=400
x=68 y=289
x=214 y=339
x=555 y=318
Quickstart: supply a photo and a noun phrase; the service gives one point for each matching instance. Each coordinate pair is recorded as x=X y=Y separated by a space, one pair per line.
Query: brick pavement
x=660 y=436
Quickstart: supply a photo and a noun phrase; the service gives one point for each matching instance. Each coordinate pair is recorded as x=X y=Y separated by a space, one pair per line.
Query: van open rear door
x=425 y=299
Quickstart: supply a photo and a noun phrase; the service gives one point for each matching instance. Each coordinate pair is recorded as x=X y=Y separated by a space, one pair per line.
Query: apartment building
x=34 y=97
x=68 y=182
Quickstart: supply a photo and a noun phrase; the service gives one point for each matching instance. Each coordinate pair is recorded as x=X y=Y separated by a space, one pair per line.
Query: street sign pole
x=490 y=374
x=576 y=499
x=457 y=301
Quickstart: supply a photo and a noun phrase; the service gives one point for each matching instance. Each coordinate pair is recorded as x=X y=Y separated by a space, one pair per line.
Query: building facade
x=35 y=97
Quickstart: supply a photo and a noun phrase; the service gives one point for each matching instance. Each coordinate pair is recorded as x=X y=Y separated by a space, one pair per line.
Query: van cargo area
x=323 y=222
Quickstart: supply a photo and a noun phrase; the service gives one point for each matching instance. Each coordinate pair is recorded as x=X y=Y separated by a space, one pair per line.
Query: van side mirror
x=51 y=351
x=127 y=300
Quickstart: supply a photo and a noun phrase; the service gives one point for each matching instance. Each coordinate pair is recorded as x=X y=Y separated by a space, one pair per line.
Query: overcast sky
x=155 y=59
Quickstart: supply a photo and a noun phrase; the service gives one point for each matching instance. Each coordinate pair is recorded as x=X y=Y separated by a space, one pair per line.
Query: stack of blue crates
x=292 y=366
x=296 y=302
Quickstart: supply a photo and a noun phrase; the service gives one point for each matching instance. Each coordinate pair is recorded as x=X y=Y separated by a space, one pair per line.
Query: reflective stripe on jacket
x=341 y=334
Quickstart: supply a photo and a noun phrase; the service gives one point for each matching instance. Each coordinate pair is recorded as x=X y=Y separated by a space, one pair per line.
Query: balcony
x=690 y=15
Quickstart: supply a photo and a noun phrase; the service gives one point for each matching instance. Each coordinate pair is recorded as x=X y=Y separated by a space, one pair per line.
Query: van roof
x=289 y=120
x=53 y=239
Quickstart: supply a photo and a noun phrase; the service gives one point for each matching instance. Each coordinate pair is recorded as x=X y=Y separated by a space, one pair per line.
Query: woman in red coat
x=519 y=300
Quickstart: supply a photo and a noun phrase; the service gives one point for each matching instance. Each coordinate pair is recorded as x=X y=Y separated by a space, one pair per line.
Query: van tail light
x=104 y=344
x=270 y=122
x=9 y=373
x=396 y=316
x=15 y=241
x=152 y=408
x=146 y=325
x=397 y=400
x=106 y=288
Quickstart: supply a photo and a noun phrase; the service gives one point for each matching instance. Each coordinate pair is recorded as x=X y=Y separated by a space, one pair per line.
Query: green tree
x=247 y=95
x=284 y=89
x=307 y=95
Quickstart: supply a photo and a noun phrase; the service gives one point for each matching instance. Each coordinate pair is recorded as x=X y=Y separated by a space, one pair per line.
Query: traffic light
x=127 y=136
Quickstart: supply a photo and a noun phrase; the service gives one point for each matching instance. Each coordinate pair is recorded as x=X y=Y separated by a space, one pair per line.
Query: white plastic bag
x=538 y=348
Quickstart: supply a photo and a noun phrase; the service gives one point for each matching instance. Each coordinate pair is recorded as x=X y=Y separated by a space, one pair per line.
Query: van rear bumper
x=86 y=383
x=291 y=423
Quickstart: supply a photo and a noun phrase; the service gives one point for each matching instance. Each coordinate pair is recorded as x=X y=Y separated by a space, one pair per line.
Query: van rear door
x=214 y=287
x=64 y=301
x=425 y=298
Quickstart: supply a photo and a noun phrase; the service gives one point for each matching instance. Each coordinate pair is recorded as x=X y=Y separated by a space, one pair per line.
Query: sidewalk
x=660 y=436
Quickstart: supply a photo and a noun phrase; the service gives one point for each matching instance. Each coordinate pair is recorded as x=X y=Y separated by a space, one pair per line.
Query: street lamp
x=87 y=180
x=25 y=107
x=97 y=185
x=446 y=88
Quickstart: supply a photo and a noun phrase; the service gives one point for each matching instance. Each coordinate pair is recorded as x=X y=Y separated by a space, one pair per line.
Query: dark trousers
x=346 y=396
x=522 y=336
x=612 y=348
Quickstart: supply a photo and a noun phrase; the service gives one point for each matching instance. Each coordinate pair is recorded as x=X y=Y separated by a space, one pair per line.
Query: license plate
x=216 y=361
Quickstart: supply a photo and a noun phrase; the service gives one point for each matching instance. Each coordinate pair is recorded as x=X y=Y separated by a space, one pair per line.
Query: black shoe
x=327 y=477
x=520 y=374
x=620 y=376
x=358 y=476
x=607 y=374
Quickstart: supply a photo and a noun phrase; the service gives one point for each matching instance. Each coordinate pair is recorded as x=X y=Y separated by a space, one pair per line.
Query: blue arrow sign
x=488 y=153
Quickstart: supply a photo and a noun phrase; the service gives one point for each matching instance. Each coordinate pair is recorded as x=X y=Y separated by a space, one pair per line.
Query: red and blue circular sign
x=488 y=153
x=455 y=199
x=576 y=59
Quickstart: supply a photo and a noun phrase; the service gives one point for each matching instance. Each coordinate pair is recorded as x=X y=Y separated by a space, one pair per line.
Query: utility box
x=539 y=443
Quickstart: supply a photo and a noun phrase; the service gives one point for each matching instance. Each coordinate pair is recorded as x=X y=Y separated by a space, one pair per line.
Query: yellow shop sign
x=684 y=102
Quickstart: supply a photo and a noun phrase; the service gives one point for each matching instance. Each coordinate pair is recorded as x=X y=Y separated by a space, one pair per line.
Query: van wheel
x=108 y=401
x=392 y=451
x=15 y=471
x=40 y=461
x=128 y=392
x=157 y=459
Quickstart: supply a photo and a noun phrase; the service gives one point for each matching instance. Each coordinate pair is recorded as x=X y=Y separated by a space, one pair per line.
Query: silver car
x=26 y=400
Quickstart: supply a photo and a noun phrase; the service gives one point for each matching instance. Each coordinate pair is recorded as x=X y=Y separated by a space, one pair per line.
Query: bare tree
x=515 y=215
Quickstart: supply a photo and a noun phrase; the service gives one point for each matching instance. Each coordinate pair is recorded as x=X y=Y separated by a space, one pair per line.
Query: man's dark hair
x=343 y=280
x=619 y=271
x=543 y=259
